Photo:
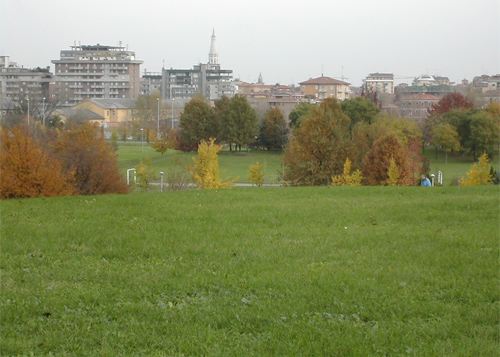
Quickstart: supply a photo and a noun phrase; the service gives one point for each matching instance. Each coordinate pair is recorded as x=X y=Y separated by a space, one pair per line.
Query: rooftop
x=324 y=80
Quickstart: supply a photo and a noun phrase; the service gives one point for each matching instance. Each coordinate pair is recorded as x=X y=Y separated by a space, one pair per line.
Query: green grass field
x=253 y=271
x=237 y=164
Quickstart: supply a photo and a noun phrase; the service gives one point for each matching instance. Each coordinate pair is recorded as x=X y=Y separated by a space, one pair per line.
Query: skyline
x=287 y=44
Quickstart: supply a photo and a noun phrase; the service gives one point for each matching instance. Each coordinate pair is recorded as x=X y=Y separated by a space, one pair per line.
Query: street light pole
x=43 y=111
x=172 y=113
x=28 y=112
x=158 y=130
x=142 y=140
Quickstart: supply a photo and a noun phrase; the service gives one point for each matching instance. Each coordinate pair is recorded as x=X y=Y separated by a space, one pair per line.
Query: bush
x=84 y=151
x=28 y=171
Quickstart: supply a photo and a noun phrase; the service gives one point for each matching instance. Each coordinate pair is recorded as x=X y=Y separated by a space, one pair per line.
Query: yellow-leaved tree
x=393 y=173
x=348 y=179
x=479 y=173
x=256 y=174
x=205 y=171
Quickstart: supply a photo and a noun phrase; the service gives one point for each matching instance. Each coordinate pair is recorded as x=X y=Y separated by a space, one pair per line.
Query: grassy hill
x=249 y=271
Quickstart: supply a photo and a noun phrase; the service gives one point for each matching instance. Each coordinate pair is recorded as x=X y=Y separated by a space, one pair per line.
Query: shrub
x=348 y=179
x=84 y=151
x=256 y=175
x=144 y=173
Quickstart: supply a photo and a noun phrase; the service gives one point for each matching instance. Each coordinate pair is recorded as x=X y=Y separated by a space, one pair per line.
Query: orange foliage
x=84 y=151
x=377 y=162
x=28 y=171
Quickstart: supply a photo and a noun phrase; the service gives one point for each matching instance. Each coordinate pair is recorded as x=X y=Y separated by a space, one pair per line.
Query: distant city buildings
x=416 y=106
x=150 y=83
x=323 y=87
x=207 y=79
x=18 y=83
x=97 y=72
x=101 y=83
x=379 y=83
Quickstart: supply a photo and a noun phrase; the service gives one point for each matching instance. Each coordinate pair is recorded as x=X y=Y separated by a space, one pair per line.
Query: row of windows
x=417 y=104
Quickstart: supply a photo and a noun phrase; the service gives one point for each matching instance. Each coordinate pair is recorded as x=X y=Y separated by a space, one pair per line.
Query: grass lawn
x=253 y=271
x=237 y=164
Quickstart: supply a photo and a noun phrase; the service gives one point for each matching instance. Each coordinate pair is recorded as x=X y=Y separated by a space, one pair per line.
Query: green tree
x=360 y=109
x=197 y=122
x=274 y=129
x=239 y=123
x=299 y=113
x=319 y=147
x=485 y=133
x=446 y=136
x=479 y=130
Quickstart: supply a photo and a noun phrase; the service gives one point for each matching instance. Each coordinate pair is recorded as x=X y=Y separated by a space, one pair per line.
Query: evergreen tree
x=197 y=122
x=239 y=123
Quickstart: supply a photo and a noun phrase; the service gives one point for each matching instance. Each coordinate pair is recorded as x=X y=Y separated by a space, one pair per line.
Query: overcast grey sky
x=288 y=41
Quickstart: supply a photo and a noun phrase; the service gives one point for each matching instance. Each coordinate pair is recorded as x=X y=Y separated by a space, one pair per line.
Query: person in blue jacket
x=425 y=182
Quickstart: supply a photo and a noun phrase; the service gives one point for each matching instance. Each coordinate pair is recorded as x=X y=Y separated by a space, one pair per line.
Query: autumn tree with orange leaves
x=84 y=151
x=26 y=170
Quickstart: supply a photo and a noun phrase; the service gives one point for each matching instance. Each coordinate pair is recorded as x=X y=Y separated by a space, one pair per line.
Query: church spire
x=213 y=58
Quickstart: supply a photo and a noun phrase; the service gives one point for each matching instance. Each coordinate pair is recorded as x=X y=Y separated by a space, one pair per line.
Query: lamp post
x=142 y=140
x=43 y=110
x=158 y=130
x=172 y=112
x=28 y=112
x=161 y=184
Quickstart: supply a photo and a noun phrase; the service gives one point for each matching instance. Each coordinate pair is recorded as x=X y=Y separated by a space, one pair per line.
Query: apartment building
x=17 y=82
x=325 y=87
x=97 y=72
x=416 y=106
x=379 y=83
x=150 y=83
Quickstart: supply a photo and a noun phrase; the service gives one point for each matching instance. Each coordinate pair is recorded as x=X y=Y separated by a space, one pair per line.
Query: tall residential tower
x=97 y=72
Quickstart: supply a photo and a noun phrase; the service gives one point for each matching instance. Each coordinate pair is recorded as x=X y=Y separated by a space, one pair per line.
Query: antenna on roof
x=322 y=69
